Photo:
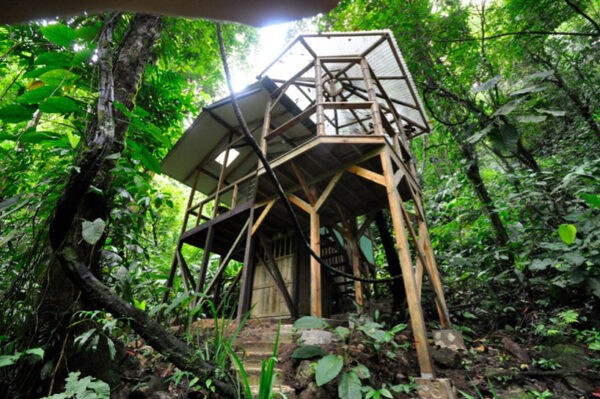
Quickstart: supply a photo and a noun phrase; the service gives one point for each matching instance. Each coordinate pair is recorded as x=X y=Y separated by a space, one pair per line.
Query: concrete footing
x=435 y=388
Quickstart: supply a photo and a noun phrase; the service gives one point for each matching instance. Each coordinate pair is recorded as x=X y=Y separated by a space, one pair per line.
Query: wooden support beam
x=292 y=122
x=417 y=320
x=327 y=191
x=367 y=174
x=225 y=260
x=273 y=269
x=347 y=105
x=320 y=98
x=316 y=307
x=300 y=203
x=188 y=279
x=310 y=195
x=262 y=217
x=247 y=271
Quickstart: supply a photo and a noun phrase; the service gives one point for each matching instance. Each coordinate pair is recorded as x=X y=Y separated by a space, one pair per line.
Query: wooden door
x=267 y=300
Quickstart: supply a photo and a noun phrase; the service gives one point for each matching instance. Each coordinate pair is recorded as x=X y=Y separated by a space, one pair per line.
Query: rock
x=446 y=357
x=516 y=350
x=312 y=391
x=304 y=374
x=316 y=337
x=161 y=395
x=515 y=392
x=578 y=383
x=570 y=357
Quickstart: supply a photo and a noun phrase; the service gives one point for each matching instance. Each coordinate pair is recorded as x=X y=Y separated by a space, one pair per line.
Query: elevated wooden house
x=334 y=115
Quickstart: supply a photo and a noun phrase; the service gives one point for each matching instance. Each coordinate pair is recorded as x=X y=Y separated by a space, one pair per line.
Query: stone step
x=287 y=390
x=253 y=374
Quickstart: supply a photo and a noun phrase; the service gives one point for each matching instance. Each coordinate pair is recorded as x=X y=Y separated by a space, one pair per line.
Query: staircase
x=255 y=343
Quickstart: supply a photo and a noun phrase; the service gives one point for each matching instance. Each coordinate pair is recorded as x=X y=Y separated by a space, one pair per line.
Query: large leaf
x=53 y=59
x=538 y=75
x=37 y=95
x=480 y=134
x=92 y=231
x=486 y=85
x=507 y=108
x=592 y=200
x=308 y=322
x=58 y=77
x=59 y=34
x=553 y=112
x=59 y=105
x=567 y=233
x=350 y=386
x=34 y=137
x=308 y=352
x=531 y=118
x=328 y=368
x=527 y=90
x=15 y=113
x=539 y=265
x=142 y=154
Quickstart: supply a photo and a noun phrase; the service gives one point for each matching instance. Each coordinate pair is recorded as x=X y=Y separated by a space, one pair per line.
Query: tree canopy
x=89 y=106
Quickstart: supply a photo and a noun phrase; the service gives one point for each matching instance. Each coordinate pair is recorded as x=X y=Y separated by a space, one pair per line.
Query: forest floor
x=500 y=365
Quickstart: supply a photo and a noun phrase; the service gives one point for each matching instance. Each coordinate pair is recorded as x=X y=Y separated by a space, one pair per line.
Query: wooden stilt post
x=414 y=305
x=247 y=271
x=316 y=308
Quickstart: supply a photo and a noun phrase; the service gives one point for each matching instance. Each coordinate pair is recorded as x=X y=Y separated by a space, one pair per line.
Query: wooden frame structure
x=334 y=115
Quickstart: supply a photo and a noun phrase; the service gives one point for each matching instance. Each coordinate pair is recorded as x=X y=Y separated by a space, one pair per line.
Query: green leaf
x=506 y=108
x=539 y=265
x=362 y=371
x=553 y=112
x=7 y=203
x=112 y=351
x=486 y=85
x=59 y=34
x=8 y=360
x=39 y=352
x=328 y=368
x=531 y=118
x=37 y=95
x=73 y=139
x=526 y=90
x=59 y=105
x=92 y=231
x=81 y=340
x=141 y=153
x=15 y=113
x=342 y=331
x=594 y=286
x=350 y=386
x=53 y=59
x=88 y=32
x=480 y=134
x=308 y=322
x=58 y=77
x=308 y=352
x=82 y=56
x=567 y=233
x=39 y=137
x=592 y=200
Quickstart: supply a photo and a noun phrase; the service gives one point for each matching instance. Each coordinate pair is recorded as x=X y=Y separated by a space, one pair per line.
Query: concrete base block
x=435 y=388
x=450 y=339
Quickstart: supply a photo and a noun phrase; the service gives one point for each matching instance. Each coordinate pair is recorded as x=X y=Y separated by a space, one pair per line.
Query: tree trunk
x=474 y=176
x=75 y=267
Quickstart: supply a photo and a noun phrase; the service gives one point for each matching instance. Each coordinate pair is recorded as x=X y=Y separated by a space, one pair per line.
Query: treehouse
x=333 y=116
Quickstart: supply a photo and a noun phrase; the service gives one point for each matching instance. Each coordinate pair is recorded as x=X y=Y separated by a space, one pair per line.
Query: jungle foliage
x=510 y=171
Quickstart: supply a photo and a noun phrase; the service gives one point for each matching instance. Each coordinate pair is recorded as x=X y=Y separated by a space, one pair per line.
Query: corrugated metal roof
x=217 y=125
